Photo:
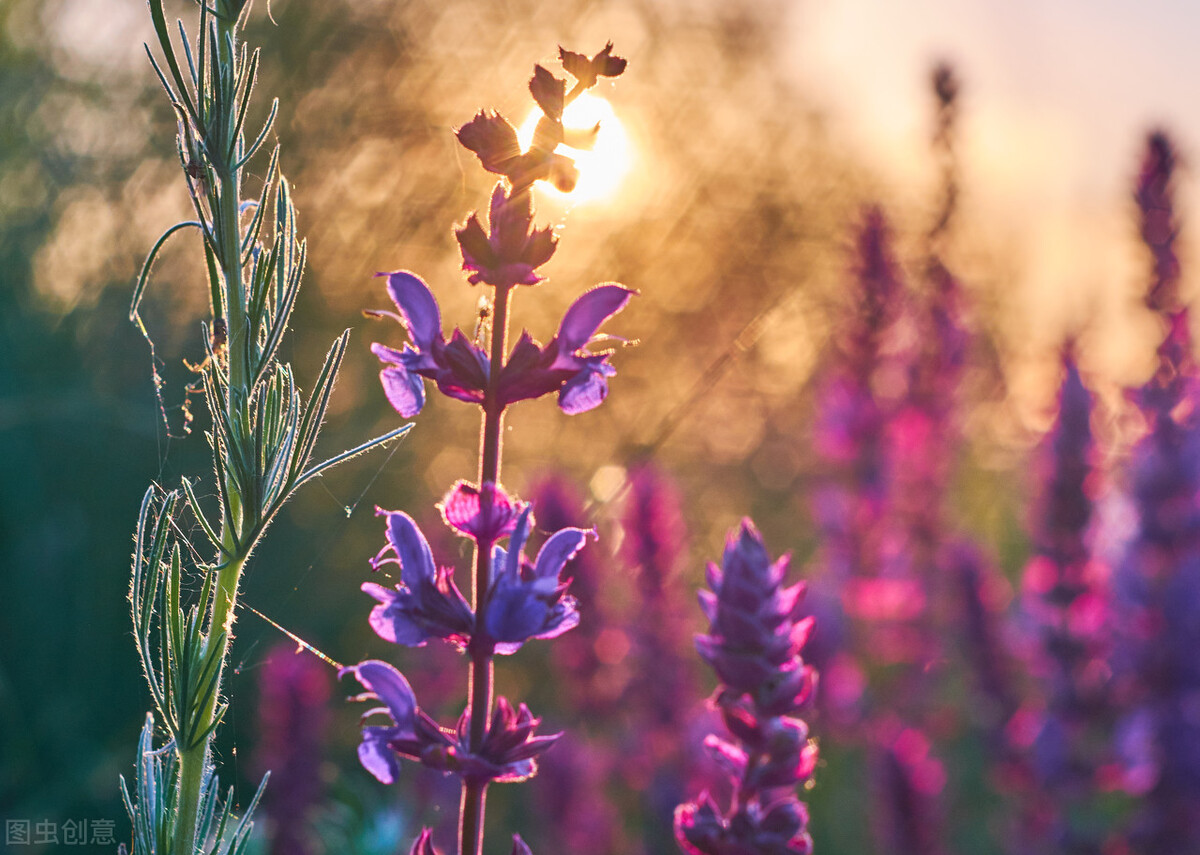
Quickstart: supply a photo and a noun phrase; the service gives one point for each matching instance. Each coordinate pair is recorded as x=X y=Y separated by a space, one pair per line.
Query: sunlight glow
x=601 y=169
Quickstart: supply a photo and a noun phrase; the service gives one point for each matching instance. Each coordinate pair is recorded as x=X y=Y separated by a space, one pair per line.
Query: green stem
x=192 y=759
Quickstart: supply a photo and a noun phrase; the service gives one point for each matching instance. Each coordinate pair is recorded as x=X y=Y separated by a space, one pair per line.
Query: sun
x=601 y=169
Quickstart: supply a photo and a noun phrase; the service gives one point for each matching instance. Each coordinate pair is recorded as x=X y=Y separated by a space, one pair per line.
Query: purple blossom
x=508 y=752
x=484 y=515
x=528 y=599
x=757 y=633
x=754 y=645
x=1066 y=603
x=461 y=368
x=1159 y=226
x=907 y=780
x=1157 y=580
x=513 y=250
x=426 y=604
x=778 y=829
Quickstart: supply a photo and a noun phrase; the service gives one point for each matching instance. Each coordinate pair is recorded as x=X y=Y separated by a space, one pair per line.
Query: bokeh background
x=758 y=129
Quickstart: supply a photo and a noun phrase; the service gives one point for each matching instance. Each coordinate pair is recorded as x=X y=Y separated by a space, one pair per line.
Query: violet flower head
x=1159 y=227
x=528 y=599
x=508 y=752
x=461 y=368
x=754 y=645
x=756 y=631
x=1156 y=582
x=494 y=140
x=426 y=604
x=510 y=253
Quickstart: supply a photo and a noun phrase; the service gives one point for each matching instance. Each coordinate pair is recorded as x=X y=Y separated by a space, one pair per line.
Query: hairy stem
x=192 y=759
x=474 y=794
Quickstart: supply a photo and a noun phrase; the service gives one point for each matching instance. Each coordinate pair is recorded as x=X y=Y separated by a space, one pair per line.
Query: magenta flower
x=426 y=604
x=779 y=829
x=528 y=600
x=512 y=251
x=484 y=515
x=754 y=646
x=756 y=635
x=508 y=752
x=461 y=368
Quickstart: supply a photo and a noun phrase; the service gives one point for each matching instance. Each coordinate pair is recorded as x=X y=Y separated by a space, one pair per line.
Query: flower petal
x=404 y=391
x=418 y=308
x=485 y=515
x=560 y=548
x=412 y=549
x=376 y=757
x=389 y=686
x=587 y=389
x=586 y=315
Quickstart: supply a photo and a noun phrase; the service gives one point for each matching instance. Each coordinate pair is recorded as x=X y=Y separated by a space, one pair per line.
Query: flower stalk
x=513 y=599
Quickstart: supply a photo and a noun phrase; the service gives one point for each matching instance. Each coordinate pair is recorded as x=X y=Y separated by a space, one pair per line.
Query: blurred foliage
x=733 y=225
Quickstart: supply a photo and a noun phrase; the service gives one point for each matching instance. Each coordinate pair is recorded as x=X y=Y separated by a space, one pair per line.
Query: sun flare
x=601 y=169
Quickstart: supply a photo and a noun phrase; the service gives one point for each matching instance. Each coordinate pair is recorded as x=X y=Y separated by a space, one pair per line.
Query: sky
x=1057 y=96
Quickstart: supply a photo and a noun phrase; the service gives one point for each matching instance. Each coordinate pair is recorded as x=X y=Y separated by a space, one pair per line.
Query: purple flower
x=907 y=780
x=565 y=365
x=426 y=604
x=485 y=515
x=511 y=253
x=754 y=646
x=528 y=600
x=1159 y=225
x=756 y=635
x=386 y=684
x=779 y=829
x=461 y=368
x=508 y=752
x=1157 y=580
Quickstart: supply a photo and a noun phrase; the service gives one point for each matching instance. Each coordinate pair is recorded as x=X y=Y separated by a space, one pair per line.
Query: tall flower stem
x=474 y=794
